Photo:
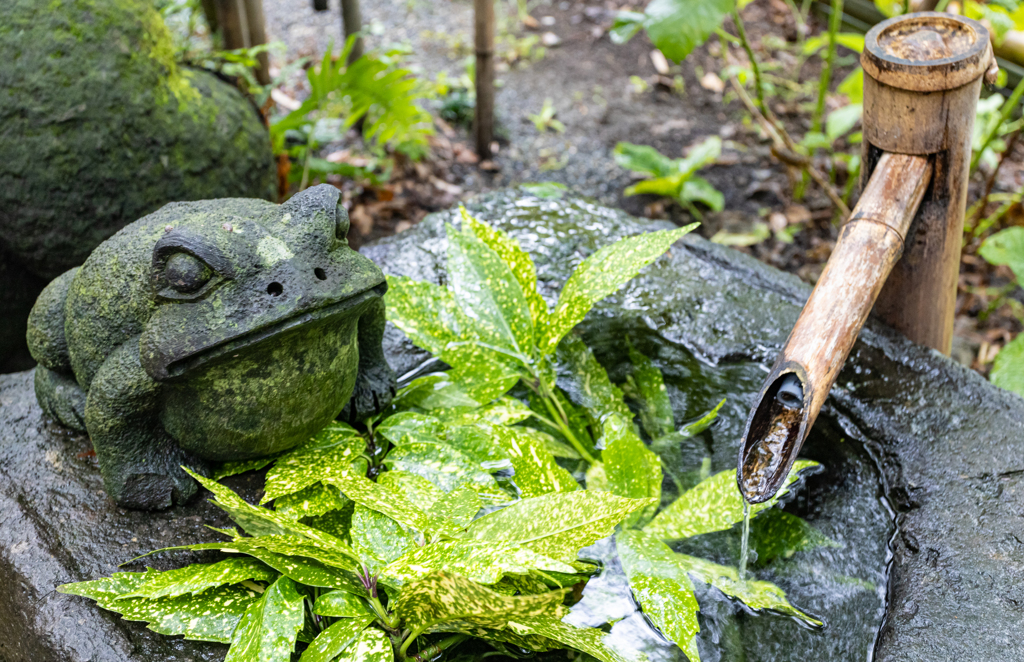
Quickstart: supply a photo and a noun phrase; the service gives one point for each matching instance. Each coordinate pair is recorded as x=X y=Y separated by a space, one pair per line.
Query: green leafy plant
x=545 y=119
x=674 y=178
x=1006 y=247
x=456 y=516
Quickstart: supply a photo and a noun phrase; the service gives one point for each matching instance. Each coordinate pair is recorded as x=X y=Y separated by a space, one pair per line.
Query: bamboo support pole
x=242 y=25
x=900 y=251
x=483 y=15
x=258 y=36
x=352 y=23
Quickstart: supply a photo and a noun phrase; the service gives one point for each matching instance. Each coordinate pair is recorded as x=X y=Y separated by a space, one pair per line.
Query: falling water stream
x=745 y=541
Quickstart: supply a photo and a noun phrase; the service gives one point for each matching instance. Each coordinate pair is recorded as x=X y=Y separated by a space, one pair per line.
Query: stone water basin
x=921 y=492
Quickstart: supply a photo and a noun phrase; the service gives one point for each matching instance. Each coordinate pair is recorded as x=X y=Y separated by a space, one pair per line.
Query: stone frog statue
x=215 y=330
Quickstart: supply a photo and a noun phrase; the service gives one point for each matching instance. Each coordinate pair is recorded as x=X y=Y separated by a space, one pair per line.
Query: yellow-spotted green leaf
x=476 y=443
x=407 y=427
x=378 y=538
x=341 y=604
x=262 y=522
x=440 y=597
x=270 y=626
x=647 y=386
x=602 y=274
x=557 y=525
x=536 y=471
x=416 y=489
x=386 y=500
x=329 y=452
x=446 y=468
x=1008 y=369
x=482 y=374
x=484 y=562
x=632 y=470
x=208 y=616
x=372 y=645
x=311 y=501
x=753 y=593
x=702 y=423
x=199 y=577
x=307 y=570
x=425 y=312
x=661 y=586
x=590 y=385
x=432 y=393
x=458 y=507
x=504 y=411
x=240 y=467
x=518 y=262
x=336 y=640
x=714 y=504
x=489 y=295
x=587 y=640
x=550 y=444
x=778 y=534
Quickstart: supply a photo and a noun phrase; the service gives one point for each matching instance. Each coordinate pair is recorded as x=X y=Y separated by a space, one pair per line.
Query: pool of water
x=843 y=584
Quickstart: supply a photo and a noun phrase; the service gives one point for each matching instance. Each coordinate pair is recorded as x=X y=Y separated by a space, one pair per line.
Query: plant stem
x=1004 y=113
x=826 y=73
x=562 y=421
x=430 y=652
x=998 y=214
x=408 y=640
x=754 y=67
x=995 y=171
x=380 y=612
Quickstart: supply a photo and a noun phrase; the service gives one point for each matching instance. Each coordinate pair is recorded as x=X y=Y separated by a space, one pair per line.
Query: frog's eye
x=186 y=273
x=341 y=224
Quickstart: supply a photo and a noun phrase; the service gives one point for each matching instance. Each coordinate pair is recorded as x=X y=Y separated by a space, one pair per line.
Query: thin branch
x=826 y=72
x=742 y=33
x=980 y=209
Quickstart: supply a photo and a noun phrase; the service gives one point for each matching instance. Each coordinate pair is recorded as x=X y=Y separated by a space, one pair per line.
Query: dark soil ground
x=605 y=93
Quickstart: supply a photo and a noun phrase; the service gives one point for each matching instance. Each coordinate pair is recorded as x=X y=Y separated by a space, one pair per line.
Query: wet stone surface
x=948 y=444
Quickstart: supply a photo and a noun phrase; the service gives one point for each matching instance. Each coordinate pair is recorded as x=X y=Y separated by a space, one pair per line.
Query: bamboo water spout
x=899 y=251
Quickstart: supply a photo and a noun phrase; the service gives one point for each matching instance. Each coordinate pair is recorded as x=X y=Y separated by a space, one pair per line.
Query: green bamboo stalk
x=825 y=81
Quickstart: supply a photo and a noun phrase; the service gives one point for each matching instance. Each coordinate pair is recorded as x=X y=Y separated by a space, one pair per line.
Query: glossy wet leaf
x=270 y=626
x=714 y=504
x=550 y=444
x=557 y=525
x=477 y=443
x=378 y=538
x=536 y=471
x=446 y=468
x=199 y=577
x=587 y=640
x=481 y=373
x=602 y=274
x=458 y=507
x=386 y=500
x=440 y=597
x=647 y=385
x=425 y=312
x=242 y=466
x=372 y=645
x=1008 y=369
x=589 y=383
x=211 y=615
x=306 y=569
x=434 y=392
x=261 y=521
x=485 y=562
x=753 y=593
x=331 y=451
x=408 y=427
x=777 y=534
x=488 y=294
x=702 y=423
x=504 y=411
x=631 y=469
x=341 y=604
x=311 y=501
x=517 y=260
x=335 y=640
x=417 y=489
x=661 y=586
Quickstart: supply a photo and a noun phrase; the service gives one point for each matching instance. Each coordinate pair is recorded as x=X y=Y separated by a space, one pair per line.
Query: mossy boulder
x=99 y=126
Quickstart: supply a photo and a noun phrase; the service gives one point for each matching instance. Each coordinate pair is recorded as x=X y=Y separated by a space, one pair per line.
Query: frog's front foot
x=375 y=387
x=159 y=483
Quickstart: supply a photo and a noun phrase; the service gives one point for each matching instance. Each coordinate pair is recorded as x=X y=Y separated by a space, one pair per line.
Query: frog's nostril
x=320 y=273
x=275 y=289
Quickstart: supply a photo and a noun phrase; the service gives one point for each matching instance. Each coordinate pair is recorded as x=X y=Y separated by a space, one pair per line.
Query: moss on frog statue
x=99 y=126
x=215 y=330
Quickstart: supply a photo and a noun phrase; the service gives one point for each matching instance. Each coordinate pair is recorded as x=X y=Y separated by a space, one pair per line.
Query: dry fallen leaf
x=711 y=81
x=660 y=61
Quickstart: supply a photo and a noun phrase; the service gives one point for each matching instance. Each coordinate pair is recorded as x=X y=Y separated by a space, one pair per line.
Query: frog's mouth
x=187 y=364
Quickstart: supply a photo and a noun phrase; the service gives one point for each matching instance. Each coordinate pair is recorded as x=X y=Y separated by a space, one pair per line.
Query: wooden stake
x=352 y=22
x=242 y=25
x=258 y=36
x=483 y=14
